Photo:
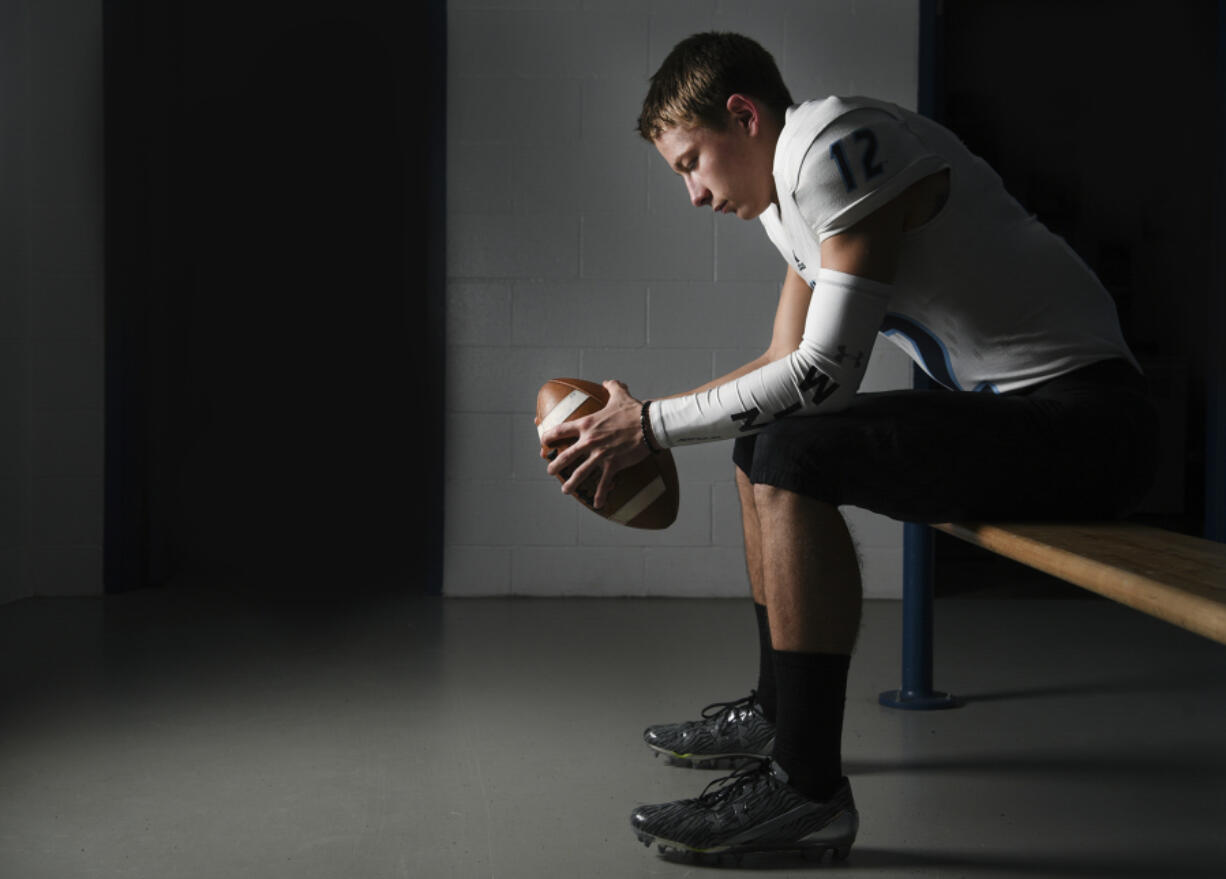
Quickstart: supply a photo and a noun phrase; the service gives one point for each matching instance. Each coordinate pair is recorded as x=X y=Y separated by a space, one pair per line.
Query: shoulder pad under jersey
x=841 y=159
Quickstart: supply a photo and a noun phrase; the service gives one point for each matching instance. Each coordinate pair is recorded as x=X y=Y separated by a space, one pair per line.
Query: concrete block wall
x=573 y=251
x=51 y=297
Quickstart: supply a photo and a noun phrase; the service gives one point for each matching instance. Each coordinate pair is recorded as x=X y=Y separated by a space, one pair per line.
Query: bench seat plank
x=1168 y=575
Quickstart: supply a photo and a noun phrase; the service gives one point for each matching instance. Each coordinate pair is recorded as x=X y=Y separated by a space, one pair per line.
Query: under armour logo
x=843 y=355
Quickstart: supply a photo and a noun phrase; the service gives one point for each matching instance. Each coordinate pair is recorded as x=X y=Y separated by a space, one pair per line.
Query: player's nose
x=699 y=194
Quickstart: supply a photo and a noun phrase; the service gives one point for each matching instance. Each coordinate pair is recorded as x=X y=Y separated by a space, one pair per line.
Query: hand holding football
x=645 y=494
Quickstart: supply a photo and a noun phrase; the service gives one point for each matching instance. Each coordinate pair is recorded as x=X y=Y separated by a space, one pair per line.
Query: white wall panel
x=573 y=250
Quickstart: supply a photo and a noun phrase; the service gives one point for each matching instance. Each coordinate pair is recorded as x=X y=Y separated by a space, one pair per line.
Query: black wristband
x=645 y=424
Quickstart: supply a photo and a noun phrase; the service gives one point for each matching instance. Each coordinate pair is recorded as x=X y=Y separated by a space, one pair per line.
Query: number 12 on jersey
x=864 y=145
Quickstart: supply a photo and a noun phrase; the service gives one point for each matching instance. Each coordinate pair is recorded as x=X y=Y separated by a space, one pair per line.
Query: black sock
x=766 y=666
x=812 y=688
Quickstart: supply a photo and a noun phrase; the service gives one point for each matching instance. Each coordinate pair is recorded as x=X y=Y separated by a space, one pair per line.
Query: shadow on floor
x=1190 y=681
x=1065 y=765
x=1089 y=864
x=868 y=859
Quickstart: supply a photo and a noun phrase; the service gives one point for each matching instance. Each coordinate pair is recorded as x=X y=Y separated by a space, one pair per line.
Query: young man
x=888 y=225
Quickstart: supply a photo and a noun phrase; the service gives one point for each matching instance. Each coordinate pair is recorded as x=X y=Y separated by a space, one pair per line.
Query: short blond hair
x=694 y=83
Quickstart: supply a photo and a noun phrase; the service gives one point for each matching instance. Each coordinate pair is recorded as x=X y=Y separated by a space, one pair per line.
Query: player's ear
x=744 y=112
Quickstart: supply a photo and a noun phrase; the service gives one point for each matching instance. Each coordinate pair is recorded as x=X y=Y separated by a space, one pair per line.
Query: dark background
x=1105 y=120
x=275 y=216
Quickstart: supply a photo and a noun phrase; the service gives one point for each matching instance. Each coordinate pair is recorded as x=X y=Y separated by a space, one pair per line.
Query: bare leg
x=812 y=579
x=809 y=572
x=753 y=537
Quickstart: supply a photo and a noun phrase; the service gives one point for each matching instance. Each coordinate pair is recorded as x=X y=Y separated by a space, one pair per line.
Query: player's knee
x=772 y=496
x=775 y=503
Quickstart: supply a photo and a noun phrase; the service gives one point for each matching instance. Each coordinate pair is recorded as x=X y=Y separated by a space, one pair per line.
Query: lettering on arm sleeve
x=822 y=375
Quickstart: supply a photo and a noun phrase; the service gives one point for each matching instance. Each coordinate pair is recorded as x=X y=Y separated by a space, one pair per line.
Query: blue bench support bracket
x=916 y=693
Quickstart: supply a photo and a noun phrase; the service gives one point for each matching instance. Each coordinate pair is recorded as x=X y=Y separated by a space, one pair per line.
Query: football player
x=888 y=226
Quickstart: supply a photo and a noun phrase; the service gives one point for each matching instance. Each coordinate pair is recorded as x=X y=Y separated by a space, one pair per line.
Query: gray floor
x=184 y=733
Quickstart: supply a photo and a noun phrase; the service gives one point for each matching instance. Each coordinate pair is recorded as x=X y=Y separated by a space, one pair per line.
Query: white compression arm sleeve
x=822 y=375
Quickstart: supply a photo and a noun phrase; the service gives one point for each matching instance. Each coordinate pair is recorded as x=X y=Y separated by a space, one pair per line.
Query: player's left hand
x=605 y=442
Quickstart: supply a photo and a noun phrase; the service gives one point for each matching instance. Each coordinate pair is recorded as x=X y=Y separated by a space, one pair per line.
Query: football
x=643 y=496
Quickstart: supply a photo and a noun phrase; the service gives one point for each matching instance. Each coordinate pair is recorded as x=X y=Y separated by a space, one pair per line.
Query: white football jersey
x=985 y=297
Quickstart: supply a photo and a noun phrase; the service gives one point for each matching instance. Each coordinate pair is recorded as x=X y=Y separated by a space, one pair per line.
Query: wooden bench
x=1171 y=576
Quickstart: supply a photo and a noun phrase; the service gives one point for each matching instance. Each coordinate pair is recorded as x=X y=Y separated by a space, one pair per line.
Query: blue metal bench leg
x=917 y=693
